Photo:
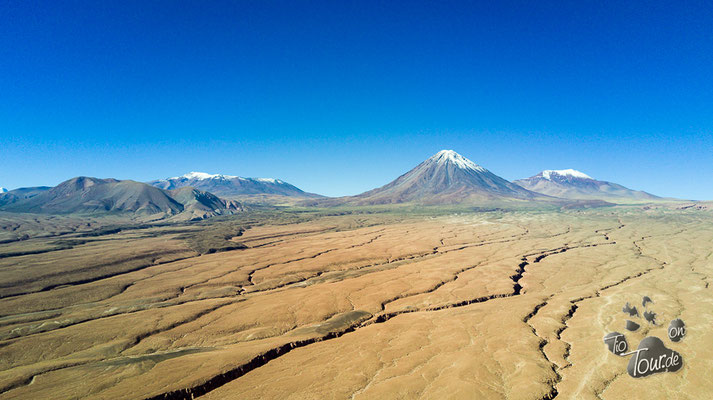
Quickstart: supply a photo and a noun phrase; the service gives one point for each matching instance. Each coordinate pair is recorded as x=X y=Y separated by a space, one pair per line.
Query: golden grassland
x=301 y=305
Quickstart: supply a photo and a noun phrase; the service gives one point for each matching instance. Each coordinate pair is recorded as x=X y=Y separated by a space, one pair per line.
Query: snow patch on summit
x=446 y=156
x=3 y=190
x=203 y=175
x=271 y=180
x=564 y=172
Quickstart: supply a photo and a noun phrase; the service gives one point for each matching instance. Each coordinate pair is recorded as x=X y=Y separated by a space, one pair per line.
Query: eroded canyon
x=358 y=306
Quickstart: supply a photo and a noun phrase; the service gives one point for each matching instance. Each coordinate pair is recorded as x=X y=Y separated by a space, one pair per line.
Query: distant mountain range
x=232 y=186
x=449 y=178
x=445 y=178
x=93 y=195
x=572 y=184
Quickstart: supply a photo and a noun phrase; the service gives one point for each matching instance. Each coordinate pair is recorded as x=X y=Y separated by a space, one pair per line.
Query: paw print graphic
x=651 y=355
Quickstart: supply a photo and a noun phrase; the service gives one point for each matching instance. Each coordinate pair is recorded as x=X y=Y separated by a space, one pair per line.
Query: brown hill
x=86 y=195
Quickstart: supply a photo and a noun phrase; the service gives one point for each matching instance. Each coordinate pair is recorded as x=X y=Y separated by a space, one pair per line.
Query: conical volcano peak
x=450 y=156
x=446 y=178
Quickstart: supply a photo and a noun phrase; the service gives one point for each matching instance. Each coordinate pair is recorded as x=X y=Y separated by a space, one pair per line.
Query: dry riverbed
x=467 y=305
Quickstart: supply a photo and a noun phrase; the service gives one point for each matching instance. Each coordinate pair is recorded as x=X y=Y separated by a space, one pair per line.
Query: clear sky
x=339 y=97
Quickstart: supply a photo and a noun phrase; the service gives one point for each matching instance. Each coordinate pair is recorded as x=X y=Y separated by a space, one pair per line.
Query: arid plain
x=362 y=305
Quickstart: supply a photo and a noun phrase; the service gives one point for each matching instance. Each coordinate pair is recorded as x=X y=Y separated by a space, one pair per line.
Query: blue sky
x=339 y=97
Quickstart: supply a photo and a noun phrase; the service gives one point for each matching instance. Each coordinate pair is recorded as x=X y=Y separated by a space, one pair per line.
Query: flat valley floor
x=466 y=305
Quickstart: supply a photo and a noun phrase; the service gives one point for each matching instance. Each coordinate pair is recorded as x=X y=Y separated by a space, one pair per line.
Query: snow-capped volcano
x=573 y=184
x=445 y=178
x=573 y=173
x=231 y=185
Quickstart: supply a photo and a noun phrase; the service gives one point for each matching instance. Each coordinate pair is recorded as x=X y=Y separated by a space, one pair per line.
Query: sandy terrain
x=468 y=305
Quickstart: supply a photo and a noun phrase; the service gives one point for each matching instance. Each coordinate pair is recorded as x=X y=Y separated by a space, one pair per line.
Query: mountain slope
x=13 y=196
x=202 y=205
x=229 y=186
x=94 y=195
x=446 y=178
x=572 y=184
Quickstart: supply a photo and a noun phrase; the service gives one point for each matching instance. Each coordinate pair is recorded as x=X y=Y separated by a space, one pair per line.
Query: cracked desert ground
x=466 y=305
